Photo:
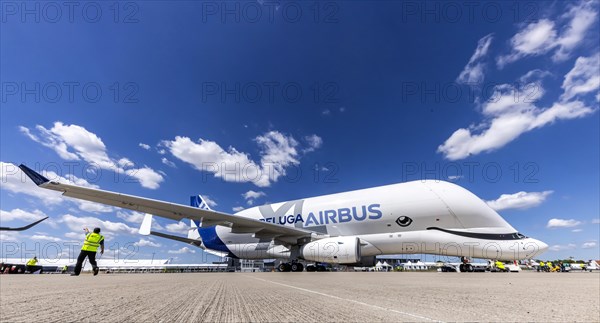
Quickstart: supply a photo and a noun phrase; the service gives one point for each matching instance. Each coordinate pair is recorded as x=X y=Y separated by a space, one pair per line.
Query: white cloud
x=131 y=216
x=147 y=177
x=44 y=237
x=589 y=244
x=124 y=162
x=179 y=227
x=210 y=202
x=314 y=142
x=108 y=228
x=250 y=196
x=253 y=195
x=520 y=200
x=535 y=39
x=544 y=36
x=6 y=236
x=474 y=70
x=576 y=230
x=583 y=78
x=277 y=151
x=507 y=115
x=596 y=221
x=18 y=214
x=74 y=235
x=237 y=208
x=137 y=218
x=581 y=17
x=167 y=162
x=562 y=223
x=146 y=243
x=557 y=247
x=182 y=250
x=92 y=206
x=533 y=76
x=144 y=146
x=73 y=142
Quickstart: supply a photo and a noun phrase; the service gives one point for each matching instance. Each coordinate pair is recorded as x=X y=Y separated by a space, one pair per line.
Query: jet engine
x=337 y=250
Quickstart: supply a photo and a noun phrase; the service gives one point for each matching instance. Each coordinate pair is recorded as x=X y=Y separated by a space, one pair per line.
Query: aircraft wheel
x=462 y=268
x=297 y=267
x=284 y=267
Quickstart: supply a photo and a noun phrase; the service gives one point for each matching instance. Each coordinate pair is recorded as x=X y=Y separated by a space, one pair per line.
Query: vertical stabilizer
x=196 y=201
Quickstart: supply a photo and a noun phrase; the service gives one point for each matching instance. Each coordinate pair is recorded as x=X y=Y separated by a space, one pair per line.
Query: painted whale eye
x=404 y=221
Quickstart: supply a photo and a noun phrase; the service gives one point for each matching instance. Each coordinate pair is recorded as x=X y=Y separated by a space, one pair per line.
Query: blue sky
x=163 y=100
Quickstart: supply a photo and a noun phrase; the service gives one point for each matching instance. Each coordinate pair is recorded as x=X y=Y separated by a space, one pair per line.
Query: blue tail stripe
x=209 y=236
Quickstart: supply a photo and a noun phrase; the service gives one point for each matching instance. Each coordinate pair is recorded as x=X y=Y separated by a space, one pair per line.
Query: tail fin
x=196 y=201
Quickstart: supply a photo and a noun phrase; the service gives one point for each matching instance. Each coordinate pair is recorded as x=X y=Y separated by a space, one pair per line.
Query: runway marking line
x=349 y=300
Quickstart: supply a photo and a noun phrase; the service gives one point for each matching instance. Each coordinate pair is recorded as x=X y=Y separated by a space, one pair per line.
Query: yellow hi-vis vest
x=92 y=242
x=32 y=262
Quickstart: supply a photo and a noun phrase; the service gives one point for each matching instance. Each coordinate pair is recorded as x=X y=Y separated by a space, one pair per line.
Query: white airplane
x=591 y=265
x=420 y=217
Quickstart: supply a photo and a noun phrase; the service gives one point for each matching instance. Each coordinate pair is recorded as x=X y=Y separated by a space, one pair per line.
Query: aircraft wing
x=169 y=210
x=22 y=228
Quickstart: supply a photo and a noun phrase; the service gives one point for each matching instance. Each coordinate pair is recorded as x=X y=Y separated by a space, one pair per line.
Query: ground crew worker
x=542 y=265
x=30 y=264
x=90 y=246
x=64 y=269
x=500 y=265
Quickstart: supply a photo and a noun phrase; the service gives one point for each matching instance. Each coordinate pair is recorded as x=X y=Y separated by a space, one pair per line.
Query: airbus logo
x=404 y=221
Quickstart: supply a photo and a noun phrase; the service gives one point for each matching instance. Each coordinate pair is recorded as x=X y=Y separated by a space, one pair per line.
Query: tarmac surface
x=309 y=297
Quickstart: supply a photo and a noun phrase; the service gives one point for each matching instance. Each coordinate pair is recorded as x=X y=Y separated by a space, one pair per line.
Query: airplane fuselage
x=431 y=217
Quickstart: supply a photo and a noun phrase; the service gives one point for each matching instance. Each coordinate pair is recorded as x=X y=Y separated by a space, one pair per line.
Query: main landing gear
x=293 y=266
x=465 y=265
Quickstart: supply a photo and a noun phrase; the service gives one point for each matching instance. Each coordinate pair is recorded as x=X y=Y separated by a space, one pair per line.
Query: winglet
x=36 y=177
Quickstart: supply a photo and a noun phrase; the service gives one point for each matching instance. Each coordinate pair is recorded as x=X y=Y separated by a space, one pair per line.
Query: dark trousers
x=84 y=253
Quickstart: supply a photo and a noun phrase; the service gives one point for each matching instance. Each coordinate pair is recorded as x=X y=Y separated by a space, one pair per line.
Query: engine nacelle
x=338 y=250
